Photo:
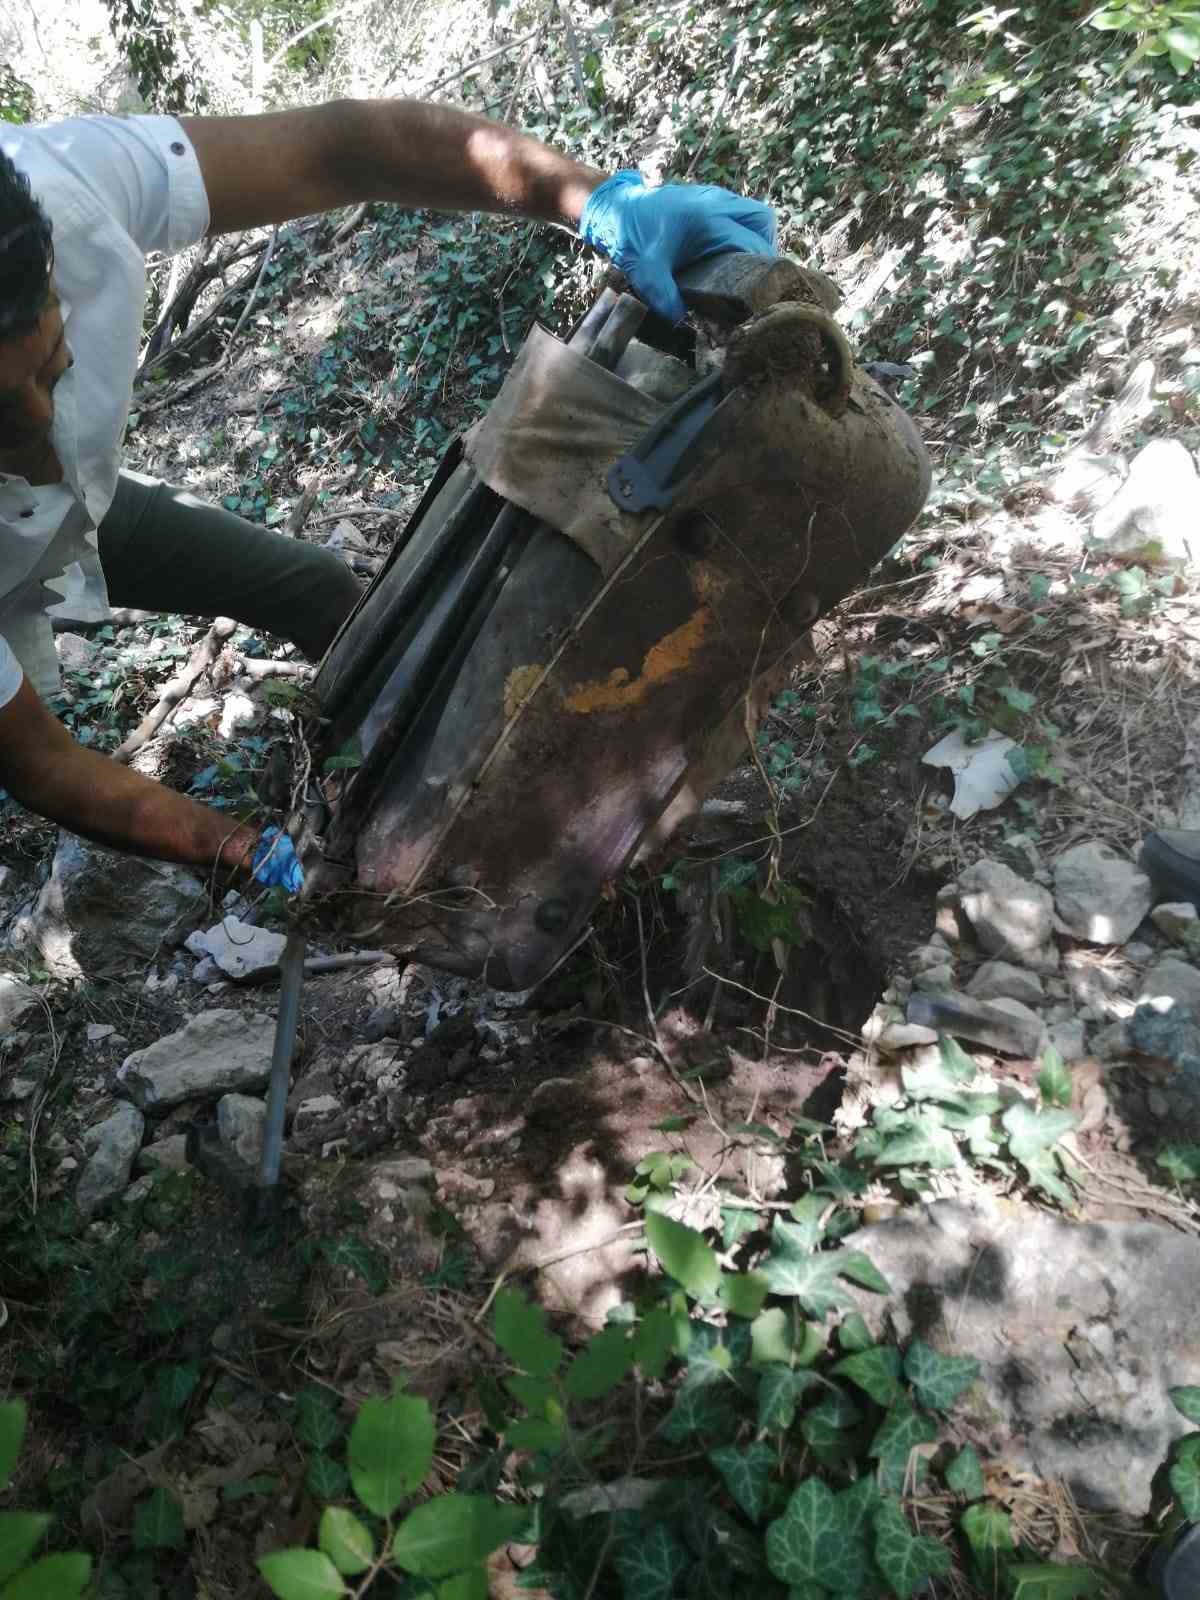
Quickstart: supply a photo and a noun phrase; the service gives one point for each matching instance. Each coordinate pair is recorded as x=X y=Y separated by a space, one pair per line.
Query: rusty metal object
x=584 y=710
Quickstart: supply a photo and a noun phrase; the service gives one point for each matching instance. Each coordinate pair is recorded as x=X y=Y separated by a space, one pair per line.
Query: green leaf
x=60 y=1577
x=174 y=1384
x=742 y=1293
x=1045 y=1580
x=247 y=1488
x=390 y=1450
x=1186 y=1400
x=901 y=1431
x=12 y=1431
x=958 y=1064
x=317 y=1422
x=792 y=1269
x=736 y=1223
x=472 y=1585
x=651 y=1563
x=1185 y=1482
x=808 y=1212
x=301 y=1575
x=535 y=1433
x=907 y=1560
x=533 y=1393
x=519 y=1328
x=20 y=1534
x=814 y=1543
x=779 y=1390
x=347 y=1542
x=988 y=1529
x=685 y=1255
x=158 y=1522
x=938 y=1380
x=675 y=1124
x=1031 y=1137
x=1180 y=1162
x=326 y=1478
x=875 y=1371
x=348 y=1250
x=1054 y=1080
x=454 y=1531
x=601 y=1364
x=701 y=1410
x=771 y=1337
x=654 y=1341
x=931 y=1081
x=853 y=1333
x=964 y=1475
x=858 y=1267
x=1183 y=41
x=926 y=1143
x=747 y=1475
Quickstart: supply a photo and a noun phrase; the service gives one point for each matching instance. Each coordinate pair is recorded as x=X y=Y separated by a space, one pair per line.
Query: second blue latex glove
x=276 y=863
x=650 y=234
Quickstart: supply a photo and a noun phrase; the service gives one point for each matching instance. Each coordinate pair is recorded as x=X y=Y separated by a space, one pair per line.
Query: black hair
x=26 y=254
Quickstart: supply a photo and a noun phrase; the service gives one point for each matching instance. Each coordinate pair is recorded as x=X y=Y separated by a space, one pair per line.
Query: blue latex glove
x=276 y=863
x=651 y=233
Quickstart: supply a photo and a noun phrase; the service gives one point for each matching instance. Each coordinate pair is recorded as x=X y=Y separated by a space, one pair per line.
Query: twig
x=792 y=1011
x=573 y=51
x=480 y=61
x=301 y=511
x=714 y=120
x=650 y=1017
x=353 y=958
x=265 y=667
x=180 y=686
x=322 y=22
x=254 y=288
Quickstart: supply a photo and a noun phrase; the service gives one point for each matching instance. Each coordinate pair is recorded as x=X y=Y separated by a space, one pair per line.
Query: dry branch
x=180 y=686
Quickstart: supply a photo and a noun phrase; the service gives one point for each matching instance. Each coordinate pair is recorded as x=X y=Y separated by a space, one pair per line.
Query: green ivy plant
x=1169 y=28
x=24 y=1575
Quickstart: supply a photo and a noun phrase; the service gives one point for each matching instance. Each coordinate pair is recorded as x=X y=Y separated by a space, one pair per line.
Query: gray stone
x=216 y=1053
x=75 y=653
x=99 y=1032
x=242 y=951
x=903 y=1035
x=170 y=1153
x=100 y=914
x=319 y=1109
x=382 y=1023
x=928 y=955
x=138 y=1190
x=935 y=980
x=999 y=980
x=1111 y=1043
x=1099 y=896
x=1138 y=954
x=1004 y=1025
x=1011 y=917
x=1177 y=922
x=308 y=1087
x=1172 y=983
x=1080 y=1330
x=240 y=1122
x=1156 y=512
x=113 y=1144
x=17 y=999
x=1069 y=1039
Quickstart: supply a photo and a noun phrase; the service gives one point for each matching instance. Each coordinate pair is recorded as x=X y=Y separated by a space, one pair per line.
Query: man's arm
x=284 y=164
x=48 y=772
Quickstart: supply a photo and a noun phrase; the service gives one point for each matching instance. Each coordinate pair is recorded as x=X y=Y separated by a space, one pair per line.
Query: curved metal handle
x=761 y=350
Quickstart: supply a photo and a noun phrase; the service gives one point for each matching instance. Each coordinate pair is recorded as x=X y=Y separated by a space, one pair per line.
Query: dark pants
x=164 y=550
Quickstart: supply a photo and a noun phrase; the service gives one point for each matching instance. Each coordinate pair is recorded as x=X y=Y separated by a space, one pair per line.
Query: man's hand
x=651 y=233
x=44 y=768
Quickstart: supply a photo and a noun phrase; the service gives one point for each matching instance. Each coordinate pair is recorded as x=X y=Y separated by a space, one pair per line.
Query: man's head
x=33 y=353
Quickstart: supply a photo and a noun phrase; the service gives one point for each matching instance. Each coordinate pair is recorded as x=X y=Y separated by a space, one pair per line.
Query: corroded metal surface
x=585 y=707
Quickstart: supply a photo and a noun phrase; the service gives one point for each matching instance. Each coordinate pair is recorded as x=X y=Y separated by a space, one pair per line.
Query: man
x=81 y=204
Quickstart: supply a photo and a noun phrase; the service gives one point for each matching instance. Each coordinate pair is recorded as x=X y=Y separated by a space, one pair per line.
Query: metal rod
x=287 y=1019
x=619 y=328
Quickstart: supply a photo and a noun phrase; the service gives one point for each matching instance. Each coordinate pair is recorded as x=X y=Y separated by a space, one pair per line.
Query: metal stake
x=291 y=982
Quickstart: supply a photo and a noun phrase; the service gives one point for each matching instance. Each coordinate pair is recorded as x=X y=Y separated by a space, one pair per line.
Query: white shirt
x=114 y=188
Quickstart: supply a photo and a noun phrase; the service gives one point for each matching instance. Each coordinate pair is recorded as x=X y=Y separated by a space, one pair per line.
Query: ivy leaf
x=779 y=1389
x=60 y=1577
x=317 y=1423
x=1054 y=1080
x=792 y=1269
x=964 y=1475
x=534 y=1433
x=20 y=1534
x=853 y=1333
x=1031 y=1137
x=770 y=1337
x=807 y=1229
x=989 y=1530
x=701 y=1410
x=390 y=1450
x=815 y=1543
x=736 y=1223
x=326 y=1478
x=1180 y=1161
x=875 y=1371
x=835 y=1179
x=747 y=1475
x=470 y=1585
x=600 y=1365
x=12 y=1431
x=454 y=1531
x=1185 y=1482
x=1185 y=1398
x=931 y=1081
x=901 y=1431
x=371 y=1265
x=938 y=1380
x=743 y=1293
x=174 y=1384
x=907 y=1560
x=651 y=1563
x=958 y=1064
x=533 y=1393
x=347 y=1542
x=863 y=1271
x=158 y=1522
x=654 y=1341
x=301 y=1575
x=519 y=1328
x=685 y=1255
x=926 y=1143
x=1045 y=1580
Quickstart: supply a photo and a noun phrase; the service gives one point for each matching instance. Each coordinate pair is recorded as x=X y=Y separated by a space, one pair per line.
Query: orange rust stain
x=670 y=655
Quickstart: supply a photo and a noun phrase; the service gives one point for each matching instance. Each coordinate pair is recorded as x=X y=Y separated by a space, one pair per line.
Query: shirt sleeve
x=143 y=171
x=10 y=673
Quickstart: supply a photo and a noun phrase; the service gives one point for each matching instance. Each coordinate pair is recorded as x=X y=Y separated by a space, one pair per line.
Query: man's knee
x=331 y=596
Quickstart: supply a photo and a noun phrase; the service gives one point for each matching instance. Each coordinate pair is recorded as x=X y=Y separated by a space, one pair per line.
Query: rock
x=1172 y=983
x=17 y=999
x=100 y=914
x=138 y=1190
x=1011 y=917
x=240 y=1122
x=1138 y=954
x=1080 y=1331
x=243 y=951
x=933 y=954
x=204 y=971
x=998 y=980
x=953 y=927
x=238 y=714
x=1111 y=1043
x=1069 y=1039
x=19 y=1089
x=382 y=1023
x=308 y=1087
x=170 y=1153
x=935 y=979
x=1177 y=922
x=98 y=1032
x=999 y=1024
x=75 y=653
x=1154 y=513
x=113 y=1144
x=1157 y=1103
x=903 y=1035
x=1099 y=895
x=216 y=1053
x=319 y=1109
